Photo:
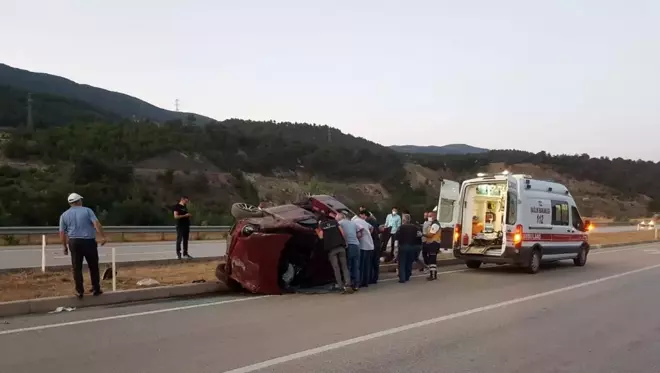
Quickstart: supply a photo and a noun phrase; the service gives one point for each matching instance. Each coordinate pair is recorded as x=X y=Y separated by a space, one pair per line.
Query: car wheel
x=534 y=264
x=581 y=259
x=245 y=210
x=474 y=264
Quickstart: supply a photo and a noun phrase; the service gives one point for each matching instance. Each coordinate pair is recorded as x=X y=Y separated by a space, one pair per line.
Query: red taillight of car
x=518 y=237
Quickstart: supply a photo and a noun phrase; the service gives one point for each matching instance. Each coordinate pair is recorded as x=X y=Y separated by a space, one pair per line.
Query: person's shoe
x=188 y=256
x=430 y=278
x=356 y=288
x=79 y=295
x=178 y=256
x=347 y=290
x=96 y=293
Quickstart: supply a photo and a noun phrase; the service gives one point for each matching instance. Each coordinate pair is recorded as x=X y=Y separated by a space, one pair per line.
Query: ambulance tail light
x=518 y=237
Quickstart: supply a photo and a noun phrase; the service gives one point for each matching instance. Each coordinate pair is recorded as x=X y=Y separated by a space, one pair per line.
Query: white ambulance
x=515 y=219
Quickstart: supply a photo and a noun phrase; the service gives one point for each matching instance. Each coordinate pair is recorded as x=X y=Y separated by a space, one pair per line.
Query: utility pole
x=329 y=135
x=30 y=123
x=176 y=104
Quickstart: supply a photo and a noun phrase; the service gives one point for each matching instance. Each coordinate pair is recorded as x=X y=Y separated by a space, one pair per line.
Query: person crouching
x=334 y=244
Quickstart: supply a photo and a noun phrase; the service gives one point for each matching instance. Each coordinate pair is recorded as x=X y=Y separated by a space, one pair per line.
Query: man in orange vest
x=432 y=239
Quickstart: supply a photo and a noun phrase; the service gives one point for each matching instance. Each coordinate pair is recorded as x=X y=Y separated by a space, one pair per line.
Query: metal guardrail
x=4 y=231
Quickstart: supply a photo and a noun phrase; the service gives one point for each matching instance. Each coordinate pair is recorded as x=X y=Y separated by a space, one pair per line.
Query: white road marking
x=403 y=328
x=129 y=315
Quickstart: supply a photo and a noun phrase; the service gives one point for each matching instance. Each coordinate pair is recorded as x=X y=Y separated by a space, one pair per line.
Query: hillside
x=47 y=110
x=131 y=170
x=440 y=150
x=118 y=104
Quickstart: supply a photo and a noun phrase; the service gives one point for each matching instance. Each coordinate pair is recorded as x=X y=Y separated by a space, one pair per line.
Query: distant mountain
x=47 y=110
x=108 y=101
x=441 y=150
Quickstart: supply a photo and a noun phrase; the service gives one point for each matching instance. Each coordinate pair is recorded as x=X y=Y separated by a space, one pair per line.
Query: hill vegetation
x=119 y=104
x=440 y=150
x=132 y=168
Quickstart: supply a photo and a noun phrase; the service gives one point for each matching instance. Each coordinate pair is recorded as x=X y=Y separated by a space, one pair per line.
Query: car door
x=579 y=231
x=447 y=211
x=562 y=232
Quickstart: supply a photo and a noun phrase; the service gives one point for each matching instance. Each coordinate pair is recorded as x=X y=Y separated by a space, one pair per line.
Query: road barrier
x=115 y=229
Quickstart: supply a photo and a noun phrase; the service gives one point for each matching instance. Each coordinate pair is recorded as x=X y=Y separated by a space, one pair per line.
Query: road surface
x=30 y=256
x=594 y=319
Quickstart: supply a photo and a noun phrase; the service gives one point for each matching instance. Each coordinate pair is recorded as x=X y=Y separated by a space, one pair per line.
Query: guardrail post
x=656 y=232
x=114 y=270
x=43 y=253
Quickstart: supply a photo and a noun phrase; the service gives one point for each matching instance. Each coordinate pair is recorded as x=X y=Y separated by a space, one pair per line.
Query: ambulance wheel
x=474 y=264
x=581 y=259
x=534 y=264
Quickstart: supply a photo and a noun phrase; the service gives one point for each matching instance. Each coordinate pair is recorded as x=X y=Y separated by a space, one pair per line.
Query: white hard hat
x=74 y=197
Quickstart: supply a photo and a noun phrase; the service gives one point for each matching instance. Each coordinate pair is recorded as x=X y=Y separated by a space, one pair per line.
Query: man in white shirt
x=366 y=247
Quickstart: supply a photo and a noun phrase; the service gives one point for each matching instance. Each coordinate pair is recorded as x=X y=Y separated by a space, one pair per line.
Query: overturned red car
x=275 y=250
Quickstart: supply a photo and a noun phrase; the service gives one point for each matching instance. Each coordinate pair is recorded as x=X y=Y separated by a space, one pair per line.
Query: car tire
x=244 y=210
x=581 y=259
x=474 y=264
x=534 y=264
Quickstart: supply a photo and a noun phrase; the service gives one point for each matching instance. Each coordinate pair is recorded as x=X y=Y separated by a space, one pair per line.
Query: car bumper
x=509 y=256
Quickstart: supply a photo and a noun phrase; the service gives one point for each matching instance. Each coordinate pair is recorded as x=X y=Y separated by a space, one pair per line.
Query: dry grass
x=34 y=284
x=620 y=237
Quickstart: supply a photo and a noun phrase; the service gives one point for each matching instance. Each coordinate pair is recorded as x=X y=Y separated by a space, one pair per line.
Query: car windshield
x=335 y=205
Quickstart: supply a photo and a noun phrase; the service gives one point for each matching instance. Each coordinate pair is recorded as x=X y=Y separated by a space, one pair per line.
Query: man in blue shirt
x=78 y=228
x=393 y=222
x=350 y=231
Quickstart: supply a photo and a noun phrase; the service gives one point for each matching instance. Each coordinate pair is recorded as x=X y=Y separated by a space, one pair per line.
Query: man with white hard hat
x=78 y=228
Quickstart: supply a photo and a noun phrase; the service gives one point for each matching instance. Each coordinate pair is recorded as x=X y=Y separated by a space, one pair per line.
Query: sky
x=564 y=76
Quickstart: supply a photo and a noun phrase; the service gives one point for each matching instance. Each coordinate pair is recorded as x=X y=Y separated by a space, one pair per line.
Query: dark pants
x=182 y=234
x=386 y=238
x=353 y=256
x=375 y=265
x=430 y=254
x=406 y=259
x=366 y=264
x=86 y=249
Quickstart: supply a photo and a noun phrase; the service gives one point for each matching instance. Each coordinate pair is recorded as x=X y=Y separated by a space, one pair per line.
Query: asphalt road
x=599 y=318
x=30 y=256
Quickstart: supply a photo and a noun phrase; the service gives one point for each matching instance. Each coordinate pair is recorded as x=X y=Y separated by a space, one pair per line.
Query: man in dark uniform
x=335 y=245
x=182 y=217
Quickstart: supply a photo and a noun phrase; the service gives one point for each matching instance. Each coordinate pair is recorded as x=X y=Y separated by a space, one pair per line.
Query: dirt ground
x=34 y=284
